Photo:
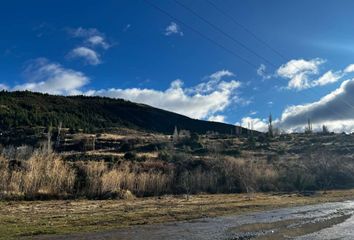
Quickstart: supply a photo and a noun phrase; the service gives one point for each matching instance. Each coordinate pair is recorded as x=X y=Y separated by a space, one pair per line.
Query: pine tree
x=325 y=129
x=175 y=135
x=308 y=129
x=270 y=126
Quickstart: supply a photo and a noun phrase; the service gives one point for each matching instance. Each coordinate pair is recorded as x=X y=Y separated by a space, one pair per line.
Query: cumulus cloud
x=212 y=81
x=335 y=110
x=201 y=101
x=97 y=40
x=299 y=71
x=172 y=29
x=93 y=41
x=349 y=69
x=255 y=123
x=327 y=78
x=303 y=74
x=90 y=56
x=47 y=77
x=217 y=118
x=204 y=101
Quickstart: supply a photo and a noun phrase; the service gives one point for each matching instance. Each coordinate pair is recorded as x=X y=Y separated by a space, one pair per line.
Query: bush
x=131 y=156
x=45 y=174
x=165 y=156
x=126 y=146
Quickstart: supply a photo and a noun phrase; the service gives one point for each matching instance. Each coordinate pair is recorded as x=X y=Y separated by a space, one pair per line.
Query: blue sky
x=302 y=52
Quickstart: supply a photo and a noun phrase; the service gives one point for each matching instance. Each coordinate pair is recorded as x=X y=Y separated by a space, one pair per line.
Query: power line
x=223 y=32
x=245 y=29
x=226 y=34
x=200 y=33
x=260 y=40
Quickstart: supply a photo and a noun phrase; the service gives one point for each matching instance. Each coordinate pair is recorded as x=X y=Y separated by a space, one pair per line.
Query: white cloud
x=253 y=112
x=217 y=118
x=196 y=102
x=84 y=32
x=327 y=78
x=98 y=41
x=335 y=110
x=3 y=87
x=47 y=77
x=88 y=49
x=213 y=80
x=173 y=28
x=199 y=101
x=90 y=56
x=220 y=74
x=302 y=74
x=262 y=71
x=257 y=124
x=349 y=69
x=293 y=67
x=299 y=71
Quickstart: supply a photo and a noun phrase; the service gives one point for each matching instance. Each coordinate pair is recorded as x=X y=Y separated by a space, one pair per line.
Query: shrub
x=130 y=156
x=165 y=156
x=126 y=146
x=93 y=173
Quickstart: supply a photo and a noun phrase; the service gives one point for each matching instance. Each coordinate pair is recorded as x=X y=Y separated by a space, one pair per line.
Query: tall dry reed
x=43 y=174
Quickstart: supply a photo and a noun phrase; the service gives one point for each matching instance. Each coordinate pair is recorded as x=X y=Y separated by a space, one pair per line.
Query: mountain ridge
x=31 y=109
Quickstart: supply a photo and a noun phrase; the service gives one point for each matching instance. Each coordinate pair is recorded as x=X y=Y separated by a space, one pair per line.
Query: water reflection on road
x=323 y=221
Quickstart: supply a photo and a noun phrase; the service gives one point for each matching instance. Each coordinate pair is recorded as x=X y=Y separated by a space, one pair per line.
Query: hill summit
x=29 y=109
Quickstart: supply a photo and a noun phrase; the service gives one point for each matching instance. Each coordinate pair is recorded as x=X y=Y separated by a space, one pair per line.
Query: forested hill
x=28 y=109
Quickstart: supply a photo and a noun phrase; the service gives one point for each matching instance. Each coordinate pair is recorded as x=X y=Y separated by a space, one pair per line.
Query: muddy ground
x=321 y=221
x=51 y=219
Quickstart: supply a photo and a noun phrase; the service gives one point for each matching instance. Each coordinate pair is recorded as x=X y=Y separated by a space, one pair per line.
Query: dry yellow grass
x=57 y=217
x=43 y=173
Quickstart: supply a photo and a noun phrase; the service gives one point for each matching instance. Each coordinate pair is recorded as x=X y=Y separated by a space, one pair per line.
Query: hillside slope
x=28 y=109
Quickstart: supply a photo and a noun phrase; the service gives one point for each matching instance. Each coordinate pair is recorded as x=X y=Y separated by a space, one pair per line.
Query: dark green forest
x=27 y=109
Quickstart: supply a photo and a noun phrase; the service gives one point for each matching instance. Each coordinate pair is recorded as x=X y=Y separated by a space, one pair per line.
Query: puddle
x=287 y=223
x=288 y=229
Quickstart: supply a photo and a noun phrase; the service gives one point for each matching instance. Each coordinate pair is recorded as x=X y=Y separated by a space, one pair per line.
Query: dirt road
x=322 y=221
